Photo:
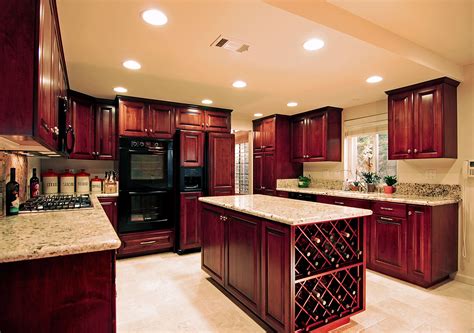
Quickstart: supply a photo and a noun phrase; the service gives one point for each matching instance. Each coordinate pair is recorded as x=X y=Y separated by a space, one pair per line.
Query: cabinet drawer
x=389 y=209
x=341 y=201
x=142 y=242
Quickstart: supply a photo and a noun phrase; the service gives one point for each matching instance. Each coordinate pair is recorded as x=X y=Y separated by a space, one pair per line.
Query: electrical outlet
x=430 y=174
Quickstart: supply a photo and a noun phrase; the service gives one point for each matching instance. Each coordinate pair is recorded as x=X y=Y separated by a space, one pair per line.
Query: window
x=366 y=147
x=242 y=168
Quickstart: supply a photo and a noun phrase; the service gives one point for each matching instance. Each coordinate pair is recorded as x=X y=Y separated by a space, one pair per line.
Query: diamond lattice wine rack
x=329 y=272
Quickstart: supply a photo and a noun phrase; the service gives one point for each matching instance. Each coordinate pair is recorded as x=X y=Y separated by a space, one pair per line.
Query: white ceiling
x=178 y=63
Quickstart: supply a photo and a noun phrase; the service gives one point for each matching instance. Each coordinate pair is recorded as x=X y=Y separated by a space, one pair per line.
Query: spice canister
x=50 y=182
x=66 y=181
x=96 y=185
x=82 y=182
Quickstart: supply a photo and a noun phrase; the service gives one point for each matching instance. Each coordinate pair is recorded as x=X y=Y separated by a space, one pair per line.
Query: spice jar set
x=80 y=183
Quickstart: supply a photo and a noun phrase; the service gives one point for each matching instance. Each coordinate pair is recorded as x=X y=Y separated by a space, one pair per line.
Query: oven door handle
x=151 y=192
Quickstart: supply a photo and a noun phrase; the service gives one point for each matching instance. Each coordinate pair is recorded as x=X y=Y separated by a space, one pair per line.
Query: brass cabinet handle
x=386 y=208
x=339 y=202
x=385 y=218
x=148 y=242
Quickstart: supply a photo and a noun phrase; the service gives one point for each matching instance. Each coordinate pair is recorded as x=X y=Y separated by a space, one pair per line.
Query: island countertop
x=58 y=233
x=283 y=210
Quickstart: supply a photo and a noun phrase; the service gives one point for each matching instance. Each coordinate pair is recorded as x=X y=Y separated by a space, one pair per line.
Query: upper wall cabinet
x=422 y=120
x=203 y=120
x=141 y=119
x=35 y=78
x=95 y=126
x=316 y=135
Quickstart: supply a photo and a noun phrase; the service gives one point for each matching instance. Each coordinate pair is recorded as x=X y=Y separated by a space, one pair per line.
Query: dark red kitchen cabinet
x=341 y=201
x=212 y=243
x=221 y=164
x=109 y=205
x=105 y=131
x=422 y=120
x=400 y=119
x=388 y=245
x=132 y=118
x=272 y=153
x=191 y=148
x=144 y=242
x=242 y=259
x=190 y=221
x=217 y=121
x=419 y=240
x=160 y=120
x=82 y=121
x=190 y=119
x=316 y=135
x=35 y=77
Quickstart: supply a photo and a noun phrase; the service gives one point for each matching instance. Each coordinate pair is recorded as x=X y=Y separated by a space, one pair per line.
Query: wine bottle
x=346 y=234
x=12 y=194
x=34 y=185
x=316 y=240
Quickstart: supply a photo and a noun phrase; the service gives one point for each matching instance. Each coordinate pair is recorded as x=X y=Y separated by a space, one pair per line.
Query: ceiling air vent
x=231 y=44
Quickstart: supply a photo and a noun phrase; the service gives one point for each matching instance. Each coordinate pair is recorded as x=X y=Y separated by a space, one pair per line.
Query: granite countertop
x=398 y=198
x=287 y=211
x=59 y=233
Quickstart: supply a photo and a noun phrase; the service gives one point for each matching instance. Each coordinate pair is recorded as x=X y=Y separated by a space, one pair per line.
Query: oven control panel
x=146 y=144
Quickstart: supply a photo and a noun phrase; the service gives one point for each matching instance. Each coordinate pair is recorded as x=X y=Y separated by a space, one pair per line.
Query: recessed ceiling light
x=292 y=104
x=131 y=64
x=120 y=89
x=258 y=114
x=206 y=101
x=239 y=84
x=154 y=17
x=313 y=44
x=374 y=79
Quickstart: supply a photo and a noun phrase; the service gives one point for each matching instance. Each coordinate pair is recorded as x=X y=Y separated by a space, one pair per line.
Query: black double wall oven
x=146 y=184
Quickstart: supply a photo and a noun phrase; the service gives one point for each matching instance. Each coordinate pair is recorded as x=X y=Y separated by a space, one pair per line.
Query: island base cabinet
x=271 y=268
x=74 y=293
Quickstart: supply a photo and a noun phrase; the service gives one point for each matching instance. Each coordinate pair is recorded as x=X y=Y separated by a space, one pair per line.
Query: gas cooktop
x=44 y=203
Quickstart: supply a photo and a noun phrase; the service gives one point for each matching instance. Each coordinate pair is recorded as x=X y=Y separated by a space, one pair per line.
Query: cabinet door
x=191 y=148
x=45 y=104
x=388 y=245
x=268 y=175
x=132 y=119
x=428 y=123
x=217 y=121
x=82 y=120
x=105 y=132
x=257 y=136
x=161 y=121
x=298 y=128
x=110 y=207
x=268 y=130
x=275 y=277
x=190 y=221
x=55 y=93
x=419 y=240
x=190 y=119
x=258 y=173
x=242 y=264
x=212 y=244
x=316 y=137
x=221 y=164
x=400 y=126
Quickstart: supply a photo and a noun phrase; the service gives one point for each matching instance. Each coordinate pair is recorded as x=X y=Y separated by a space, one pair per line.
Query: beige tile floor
x=170 y=293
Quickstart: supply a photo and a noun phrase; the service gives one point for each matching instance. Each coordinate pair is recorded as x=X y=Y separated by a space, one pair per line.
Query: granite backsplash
x=416 y=189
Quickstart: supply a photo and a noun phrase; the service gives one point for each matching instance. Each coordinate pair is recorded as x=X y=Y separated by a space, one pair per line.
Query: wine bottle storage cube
x=327 y=246
x=325 y=298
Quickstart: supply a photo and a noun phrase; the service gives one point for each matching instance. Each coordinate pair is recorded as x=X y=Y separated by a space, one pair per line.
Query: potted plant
x=370 y=179
x=304 y=181
x=355 y=186
x=389 y=181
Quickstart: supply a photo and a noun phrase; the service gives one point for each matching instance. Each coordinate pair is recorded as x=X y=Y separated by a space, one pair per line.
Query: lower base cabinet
x=109 y=204
x=189 y=221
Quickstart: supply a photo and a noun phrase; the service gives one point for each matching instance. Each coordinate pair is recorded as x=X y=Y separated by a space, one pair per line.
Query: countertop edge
x=351 y=195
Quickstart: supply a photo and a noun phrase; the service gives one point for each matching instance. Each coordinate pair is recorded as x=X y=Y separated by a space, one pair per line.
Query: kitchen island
x=297 y=266
x=57 y=271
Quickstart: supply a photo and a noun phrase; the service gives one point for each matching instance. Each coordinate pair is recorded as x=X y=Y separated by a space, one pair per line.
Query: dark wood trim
x=416 y=86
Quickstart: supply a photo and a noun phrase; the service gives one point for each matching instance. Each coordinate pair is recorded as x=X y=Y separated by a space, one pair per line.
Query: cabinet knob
x=151 y=131
x=409 y=151
x=202 y=124
x=410 y=212
x=415 y=150
x=146 y=129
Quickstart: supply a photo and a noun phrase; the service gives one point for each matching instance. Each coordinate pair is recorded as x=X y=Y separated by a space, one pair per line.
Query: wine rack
x=329 y=272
